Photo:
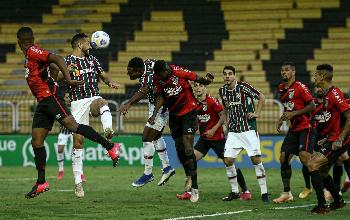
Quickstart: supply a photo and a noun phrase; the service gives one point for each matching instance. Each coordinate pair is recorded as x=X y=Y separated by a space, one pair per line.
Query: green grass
x=109 y=195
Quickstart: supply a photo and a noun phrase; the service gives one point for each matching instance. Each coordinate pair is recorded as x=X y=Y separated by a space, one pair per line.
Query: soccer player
x=152 y=134
x=211 y=117
x=174 y=89
x=298 y=104
x=86 y=99
x=238 y=101
x=50 y=107
x=336 y=142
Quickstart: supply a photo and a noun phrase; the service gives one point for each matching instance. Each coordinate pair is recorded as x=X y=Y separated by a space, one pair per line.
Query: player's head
x=162 y=70
x=136 y=67
x=324 y=73
x=81 y=42
x=199 y=89
x=229 y=74
x=25 y=38
x=288 y=71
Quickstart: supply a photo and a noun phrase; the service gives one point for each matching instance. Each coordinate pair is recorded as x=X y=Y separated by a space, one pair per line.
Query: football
x=99 y=40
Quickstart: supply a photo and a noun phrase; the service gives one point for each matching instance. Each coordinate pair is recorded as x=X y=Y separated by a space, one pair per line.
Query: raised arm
x=107 y=80
x=63 y=68
x=140 y=94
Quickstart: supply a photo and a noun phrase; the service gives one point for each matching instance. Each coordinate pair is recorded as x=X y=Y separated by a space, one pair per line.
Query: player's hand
x=321 y=142
x=288 y=116
x=124 y=109
x=114 y=85
x=252 y=115
x=152 y=119
x=279 y=124
x=337 y=144
x=75 y=83
x=210 y=76
x=210 y=133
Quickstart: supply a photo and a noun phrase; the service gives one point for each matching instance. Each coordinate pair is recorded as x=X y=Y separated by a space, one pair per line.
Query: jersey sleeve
x=217 y=107
x=250 y=90
x=38 y=54
x=305 y=94
x=222 y=97
x=98 y=68
x=340 y=102
x=184 y=73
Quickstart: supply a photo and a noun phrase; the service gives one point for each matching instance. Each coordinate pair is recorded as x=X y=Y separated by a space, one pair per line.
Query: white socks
x=162 y=153
x=148 y=151
x=106 y=117
x=232 y=178
x=260 y=175
x=60 y=160
x=77 y=164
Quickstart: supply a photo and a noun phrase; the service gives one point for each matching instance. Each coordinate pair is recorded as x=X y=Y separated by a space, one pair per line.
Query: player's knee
x=228 y=161
x=312 y=165
x=37 y=142
x=189 y=151
x=256 y=159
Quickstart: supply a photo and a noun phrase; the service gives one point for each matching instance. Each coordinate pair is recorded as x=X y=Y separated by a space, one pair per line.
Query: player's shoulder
x=301 y=85
x=336 y=93
x=212 y=100
x=281 y=86
x=35 y=50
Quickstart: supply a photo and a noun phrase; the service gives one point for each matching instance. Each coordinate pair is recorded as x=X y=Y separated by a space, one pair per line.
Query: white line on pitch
x=63 y=190
x=293 y=207
x=24 y=179
x=211 y=215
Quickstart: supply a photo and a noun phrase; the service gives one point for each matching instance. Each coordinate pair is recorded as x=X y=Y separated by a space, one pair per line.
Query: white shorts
x=161 y=119
x=81 y=109
x=236 y=142
x=63 y=139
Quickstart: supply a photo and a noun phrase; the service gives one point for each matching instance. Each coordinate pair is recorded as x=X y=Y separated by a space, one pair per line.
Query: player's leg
x=338 y=172
x=219 y=148
x=61 y=143
x=307 y=190
x=252 y=143
x=346 y=184
x=42 y=124
x=99 y=107
x=286 y=169
x=231 y=152
x=167 y=170
x=77 y=164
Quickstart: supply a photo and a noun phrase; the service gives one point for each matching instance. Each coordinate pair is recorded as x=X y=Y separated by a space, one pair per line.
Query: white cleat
x=167 y=173
x=194 y=195
x=79 y=191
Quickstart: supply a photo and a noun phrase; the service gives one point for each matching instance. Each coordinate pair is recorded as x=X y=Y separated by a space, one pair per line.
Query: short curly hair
x=136 y=62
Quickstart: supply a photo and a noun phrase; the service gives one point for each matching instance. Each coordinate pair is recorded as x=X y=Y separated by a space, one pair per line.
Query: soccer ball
x=99 y=40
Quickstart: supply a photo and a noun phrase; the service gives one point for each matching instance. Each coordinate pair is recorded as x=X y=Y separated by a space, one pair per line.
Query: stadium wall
x=16 y=150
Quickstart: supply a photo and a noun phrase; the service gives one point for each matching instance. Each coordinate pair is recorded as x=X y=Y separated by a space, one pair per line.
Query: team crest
x=205 y=107
x=291 y=94
x=175 y=80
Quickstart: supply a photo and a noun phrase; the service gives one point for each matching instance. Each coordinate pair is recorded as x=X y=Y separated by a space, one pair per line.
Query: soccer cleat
x=320 y=209
x=245 y=196
x=346 y=186
x=143 y=180
x=114 y=154
x=265 y=197
x=305 y=193
x=188 y=184
x=337 y=205
x=167 y=173
x=327 y=195
x=83 y=178
x=79 y=191
x=194 y=195
x=231 y=196
x=60 y=175
x=109 y=133
x=38 y=189
x=184 y=196
x=284 y=197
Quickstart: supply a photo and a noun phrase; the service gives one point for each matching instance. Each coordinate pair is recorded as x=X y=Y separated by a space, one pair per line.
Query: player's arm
x=103 y=76
x=55 y=72
x=63 y=68
x=211 y=132
x=140 y=94
x=339 y=142
x=159 y=103
x=261 y=102
x=205 y=80
x=306 y=110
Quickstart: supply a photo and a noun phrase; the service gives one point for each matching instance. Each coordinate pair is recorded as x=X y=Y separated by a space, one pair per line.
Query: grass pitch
x=109 y=195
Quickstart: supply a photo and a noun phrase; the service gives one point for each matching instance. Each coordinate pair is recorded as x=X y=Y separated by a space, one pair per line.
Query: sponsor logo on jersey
x=291 y=93
x=323 y=117
x=173 y=91
x=203 y=118
x=289 y=106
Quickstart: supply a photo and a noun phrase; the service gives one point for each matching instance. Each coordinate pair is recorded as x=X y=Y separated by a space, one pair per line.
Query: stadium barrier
x=16 y=150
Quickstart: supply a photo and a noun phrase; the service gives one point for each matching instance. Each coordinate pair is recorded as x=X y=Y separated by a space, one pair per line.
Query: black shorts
x=296 y=141
x=203 y=145
x=183 y=125
x=332 y=155
x=48 y=110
